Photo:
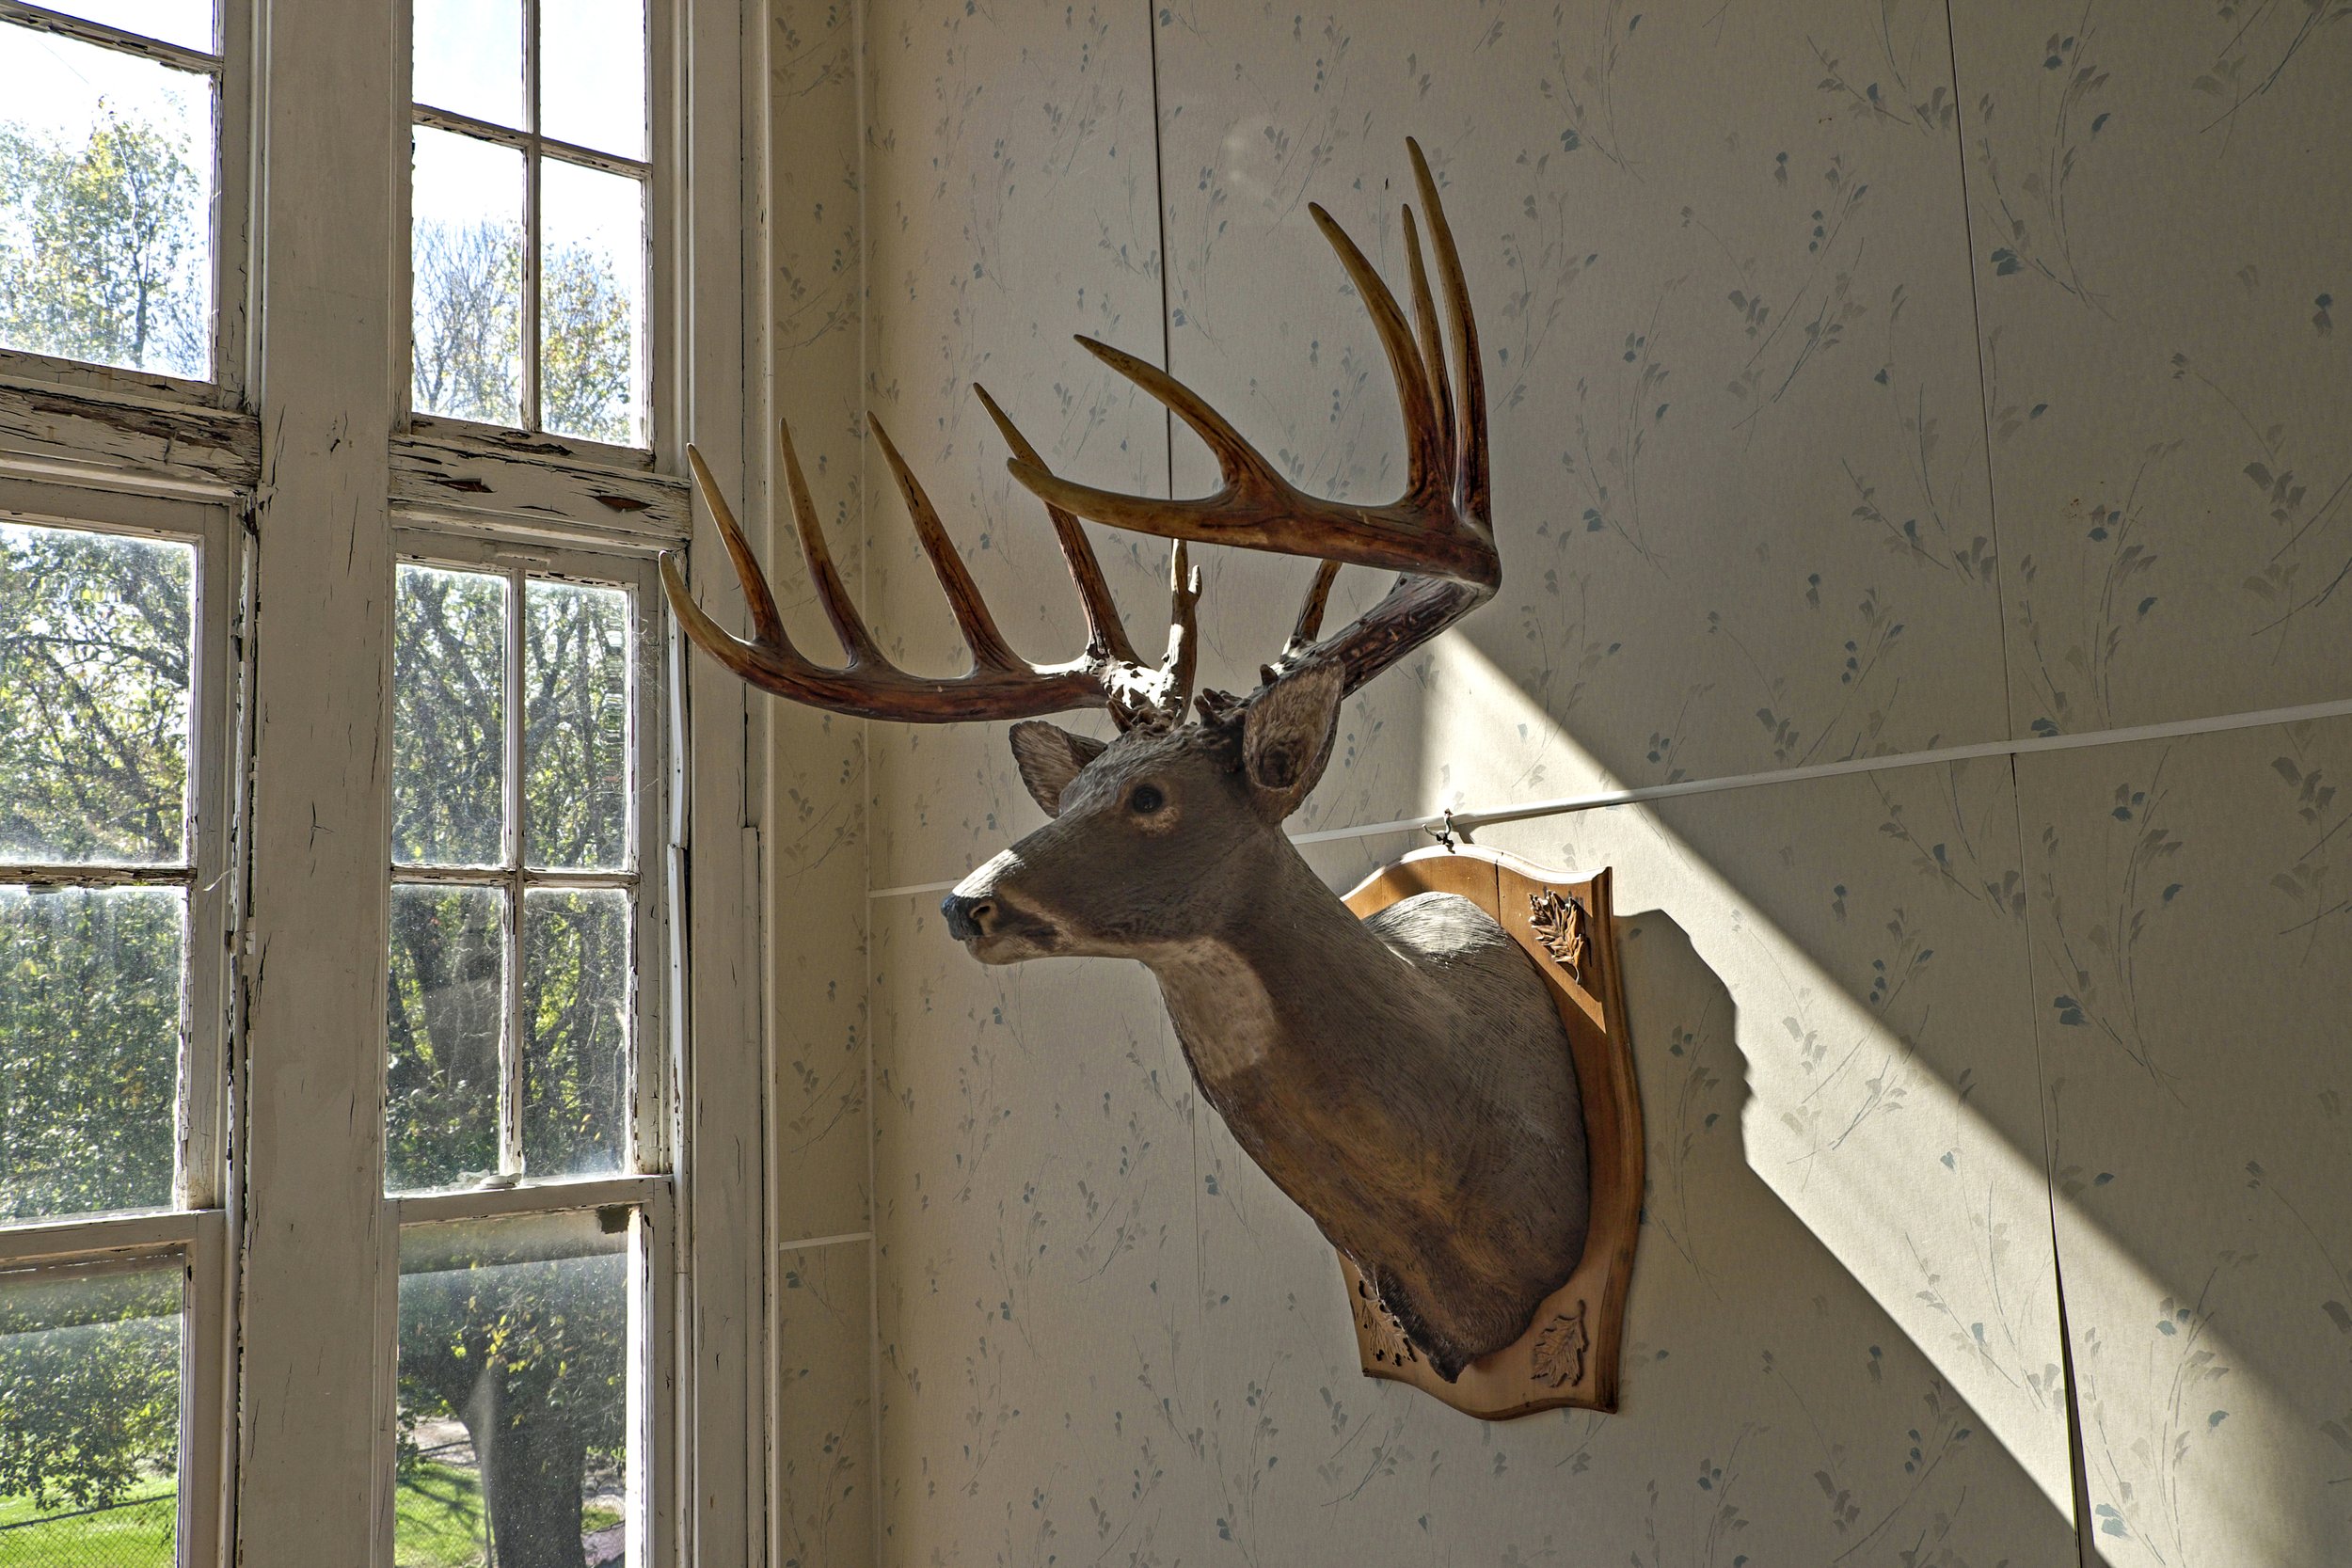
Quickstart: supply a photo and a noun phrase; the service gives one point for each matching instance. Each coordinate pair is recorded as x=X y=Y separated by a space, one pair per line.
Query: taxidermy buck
x=1405 y=1077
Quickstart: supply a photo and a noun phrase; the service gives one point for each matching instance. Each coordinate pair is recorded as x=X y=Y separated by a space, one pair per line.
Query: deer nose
x=967 y=917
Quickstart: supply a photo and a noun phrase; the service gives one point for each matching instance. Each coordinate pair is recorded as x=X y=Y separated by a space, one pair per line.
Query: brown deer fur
x=1405 y=1079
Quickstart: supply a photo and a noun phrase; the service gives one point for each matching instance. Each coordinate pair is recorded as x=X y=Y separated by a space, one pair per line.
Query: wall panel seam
x=1159 y=228
x=1984 y=387
x=861 y=16
x=2078 y=1474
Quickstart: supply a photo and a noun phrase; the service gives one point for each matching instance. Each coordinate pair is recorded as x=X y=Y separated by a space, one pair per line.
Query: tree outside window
x=106 y=161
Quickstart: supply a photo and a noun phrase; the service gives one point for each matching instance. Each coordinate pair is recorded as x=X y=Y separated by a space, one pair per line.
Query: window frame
x=660 y=1273
x=218 y=620
x=196 y=1243
x=528 y=503
x=646 y=1144
x=230 y=70
x=293 y=1277
x=655 y=1539
x=659 y=348
x=194 y=1227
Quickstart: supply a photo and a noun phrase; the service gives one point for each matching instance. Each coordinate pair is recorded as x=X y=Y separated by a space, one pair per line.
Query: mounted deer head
x=1405 y=1077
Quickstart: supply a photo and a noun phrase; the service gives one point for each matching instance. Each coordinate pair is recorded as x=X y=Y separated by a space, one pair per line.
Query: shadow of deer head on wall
x=1405 y=1078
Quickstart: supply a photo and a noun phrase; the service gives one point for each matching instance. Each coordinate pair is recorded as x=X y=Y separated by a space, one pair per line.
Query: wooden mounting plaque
x=1569 y=1355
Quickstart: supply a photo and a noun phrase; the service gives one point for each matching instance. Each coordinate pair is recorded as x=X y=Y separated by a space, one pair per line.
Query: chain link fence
x=136 y=1532
x=443 y=1523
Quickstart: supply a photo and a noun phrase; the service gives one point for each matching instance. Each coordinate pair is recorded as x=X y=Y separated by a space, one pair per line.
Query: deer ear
x=1286 y=737
x=1049 y=758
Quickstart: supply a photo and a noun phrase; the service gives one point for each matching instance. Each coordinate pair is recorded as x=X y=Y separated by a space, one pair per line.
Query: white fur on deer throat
x=1221 y=1009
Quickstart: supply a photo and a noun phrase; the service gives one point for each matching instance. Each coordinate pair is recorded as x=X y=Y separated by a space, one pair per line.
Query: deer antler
x=1000 y=683
x=1437 y=535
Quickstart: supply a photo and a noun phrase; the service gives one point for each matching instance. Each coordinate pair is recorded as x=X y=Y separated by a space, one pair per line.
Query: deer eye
x=1146 y=800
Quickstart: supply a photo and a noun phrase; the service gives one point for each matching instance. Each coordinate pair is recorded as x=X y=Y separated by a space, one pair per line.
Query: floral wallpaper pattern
x=815 y=816
x=1843 y=1340
x=2160 y=250
x=815 y=819
x=2192 y=964
x=1868 y=376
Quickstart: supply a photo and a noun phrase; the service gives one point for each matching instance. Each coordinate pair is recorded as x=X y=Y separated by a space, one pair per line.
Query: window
x=528 y=261
x=528 y=1331
x=526 y=760
x=526 y=1080
x=114 y=681
x=515 y=912
x=109 y=178
x=74 y=1339
x=345 y=791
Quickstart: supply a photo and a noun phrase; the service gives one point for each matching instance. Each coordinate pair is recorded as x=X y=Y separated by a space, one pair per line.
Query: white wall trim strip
x=1468 y=819
x=815 y=1241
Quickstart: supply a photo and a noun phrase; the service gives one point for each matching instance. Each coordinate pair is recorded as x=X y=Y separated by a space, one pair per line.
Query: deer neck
x=1281 y=979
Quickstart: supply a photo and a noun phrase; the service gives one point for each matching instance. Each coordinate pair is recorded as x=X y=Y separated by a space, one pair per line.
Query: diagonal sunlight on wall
x=1095 y=1314
x=1894 y=1095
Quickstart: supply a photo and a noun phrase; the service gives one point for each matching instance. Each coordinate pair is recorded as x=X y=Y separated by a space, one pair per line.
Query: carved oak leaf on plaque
x=1559 y=925
x=1560 y=1349
x=1391 y=1345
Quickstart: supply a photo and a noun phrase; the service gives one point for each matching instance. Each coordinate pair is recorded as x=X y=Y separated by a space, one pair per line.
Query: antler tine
x=1471 y=479
x=1236 y=459
x=766 y=626
x=1311 y=613
x=990 y=650
x=1184 y=629
x=1140 y=694
x=1426 y=530
x=1425 y=602
x=1000 y=685
x=706 y=633
x=1105 y=629
x=1441 y=543
x=1432 y=341
x=1256 y=508
x=1425 y=449
x=855 y=641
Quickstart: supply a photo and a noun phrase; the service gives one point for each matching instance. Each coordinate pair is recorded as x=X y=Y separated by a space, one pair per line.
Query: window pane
x=186 y=23
x=90 y=1047
x=592 y=73
x=466 y=299
x=106 y=196
x=514 y=1370
x=449 y=710
x=448 y=994
x=90 y=1417
x=576 y=1018
x=592 y=307
x=575 y=726
x=468 y=57
x=94 y=663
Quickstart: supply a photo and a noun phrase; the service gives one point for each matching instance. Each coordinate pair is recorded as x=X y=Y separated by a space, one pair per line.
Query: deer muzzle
x=996 y=928
x=968 y=918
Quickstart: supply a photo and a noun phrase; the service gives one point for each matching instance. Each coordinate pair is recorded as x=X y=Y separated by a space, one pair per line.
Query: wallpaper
x=2161 y=247
x=813 y=820
x=1842 y=1339
x=815 y=817
x=1868 y=376
x=1009 y=196
x=2192 y=963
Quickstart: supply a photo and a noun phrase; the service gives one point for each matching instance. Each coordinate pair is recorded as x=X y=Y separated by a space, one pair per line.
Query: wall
x=820 y=1287
x=1869 y=377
